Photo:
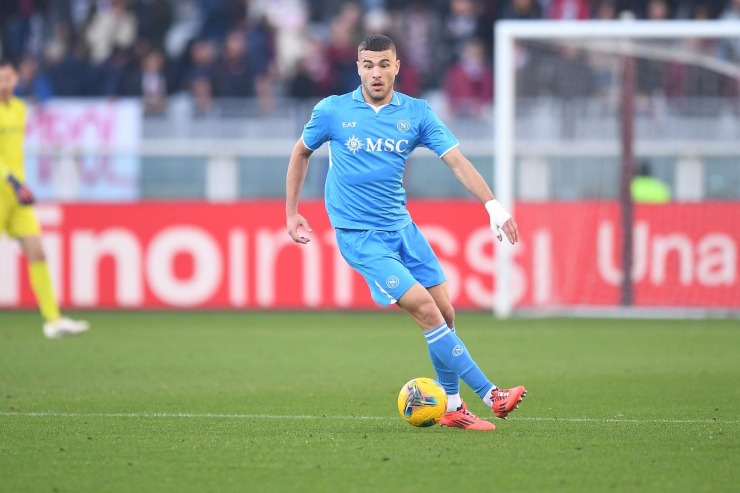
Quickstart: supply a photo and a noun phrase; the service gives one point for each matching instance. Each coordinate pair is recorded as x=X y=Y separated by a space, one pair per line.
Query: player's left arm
x=22 y=192
x=471 y=179
x=296 y=176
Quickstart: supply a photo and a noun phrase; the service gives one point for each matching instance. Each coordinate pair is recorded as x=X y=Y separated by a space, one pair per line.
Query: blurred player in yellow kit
x=17 y=217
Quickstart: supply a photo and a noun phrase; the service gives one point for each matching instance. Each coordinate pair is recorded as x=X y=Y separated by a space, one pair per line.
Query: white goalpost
x=659 y=79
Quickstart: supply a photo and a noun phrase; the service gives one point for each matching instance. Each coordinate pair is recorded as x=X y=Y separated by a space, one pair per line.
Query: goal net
x=618 y=151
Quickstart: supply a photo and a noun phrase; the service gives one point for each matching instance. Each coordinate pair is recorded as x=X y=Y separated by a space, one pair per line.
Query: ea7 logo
x=349 y=124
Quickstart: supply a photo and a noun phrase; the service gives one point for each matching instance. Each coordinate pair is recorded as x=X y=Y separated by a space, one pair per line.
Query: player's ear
x=398 y=66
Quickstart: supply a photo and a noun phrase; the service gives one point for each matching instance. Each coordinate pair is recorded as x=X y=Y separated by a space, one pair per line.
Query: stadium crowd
x=266 y=48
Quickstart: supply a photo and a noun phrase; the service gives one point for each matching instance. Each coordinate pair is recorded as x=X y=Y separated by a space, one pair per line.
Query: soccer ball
x=422 y=402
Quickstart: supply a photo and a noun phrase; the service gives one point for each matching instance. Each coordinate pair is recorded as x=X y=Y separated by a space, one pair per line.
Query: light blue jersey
x=368 y=149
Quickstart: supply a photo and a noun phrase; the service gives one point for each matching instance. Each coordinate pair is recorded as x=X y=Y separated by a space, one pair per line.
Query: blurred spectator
x=732 y=13
x=289 y=18
x=61 y=36
x=568 y=10
x=522 y=10
x=466 y=20
x=201 y=89
x=303 y=86
x=341 y=52
x=312 y=70
x=19 y=34
x=606 y=67
x=33 y=84
x=651 y=76
x=606 y=10
x=261 y=46
x=658 y=10
x=115 y=76
x=152 y=83
x=421 y=30
x=264 y=88
x=407 y=80
x=695 y=88
x=153 y=18
x=572 y=80
x=68 y=13
x=233 y=74
x=323 y=10
x=185 y=27
x=201 y=63
x=468 y=84
x=350 y=14
x=376 y=22
x=570 y=75
x=67 y=70
x=489 y=13
x=647 y=189
x=460 y=25
x=110 y=29
x=701 y=12
x=217 y=19
x=81 y=11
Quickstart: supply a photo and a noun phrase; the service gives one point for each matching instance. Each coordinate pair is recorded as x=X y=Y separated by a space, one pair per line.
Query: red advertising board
x=239 y=256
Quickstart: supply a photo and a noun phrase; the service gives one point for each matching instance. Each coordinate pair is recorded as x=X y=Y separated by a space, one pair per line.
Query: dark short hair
x=643 y=168
x=7 y=62
x=377 y=42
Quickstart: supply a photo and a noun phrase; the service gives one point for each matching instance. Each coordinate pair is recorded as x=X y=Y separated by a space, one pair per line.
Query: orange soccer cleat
x=506 y=400
x=462 y=418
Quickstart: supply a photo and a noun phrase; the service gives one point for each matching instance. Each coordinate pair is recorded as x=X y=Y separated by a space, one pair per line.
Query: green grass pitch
x=303 y=402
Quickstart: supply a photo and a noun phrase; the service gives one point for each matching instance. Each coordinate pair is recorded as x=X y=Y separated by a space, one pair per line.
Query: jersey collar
x=357 y=96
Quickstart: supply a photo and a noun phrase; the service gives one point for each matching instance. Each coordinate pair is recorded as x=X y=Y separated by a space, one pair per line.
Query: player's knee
x=33 y=251
x=429 y=313
x=35 y=255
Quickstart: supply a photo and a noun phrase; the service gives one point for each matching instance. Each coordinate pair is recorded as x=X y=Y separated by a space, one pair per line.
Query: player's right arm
x=315 y=133
x=297 y=169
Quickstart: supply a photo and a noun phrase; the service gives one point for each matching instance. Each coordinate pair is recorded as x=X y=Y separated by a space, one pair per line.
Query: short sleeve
x=315 y=132
x=434 y=134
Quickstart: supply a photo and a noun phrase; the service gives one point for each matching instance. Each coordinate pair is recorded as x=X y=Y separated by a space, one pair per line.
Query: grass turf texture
x=175 y=402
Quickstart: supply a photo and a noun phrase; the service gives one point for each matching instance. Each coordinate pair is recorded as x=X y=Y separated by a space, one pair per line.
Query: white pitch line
x=272 y=416
x=621 y=420
x=180 y=415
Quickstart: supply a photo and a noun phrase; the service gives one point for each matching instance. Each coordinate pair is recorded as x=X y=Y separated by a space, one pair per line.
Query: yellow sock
x=44 y=291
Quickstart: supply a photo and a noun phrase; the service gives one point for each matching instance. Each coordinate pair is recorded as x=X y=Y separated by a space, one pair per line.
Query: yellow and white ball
x=422 y=402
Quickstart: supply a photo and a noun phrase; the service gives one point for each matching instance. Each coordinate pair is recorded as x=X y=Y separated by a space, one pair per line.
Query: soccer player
x=17 y=217
x=371 y=133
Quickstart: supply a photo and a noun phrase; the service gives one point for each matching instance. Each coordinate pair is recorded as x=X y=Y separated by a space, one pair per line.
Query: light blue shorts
x=391 y=261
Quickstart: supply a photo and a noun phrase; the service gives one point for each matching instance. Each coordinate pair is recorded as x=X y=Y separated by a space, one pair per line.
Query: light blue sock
x=446 y=377
x=451 y=351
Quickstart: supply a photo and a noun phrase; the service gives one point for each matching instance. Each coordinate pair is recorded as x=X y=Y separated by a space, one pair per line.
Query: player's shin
x=451 y=351
x=449 y=380
x=38 y=272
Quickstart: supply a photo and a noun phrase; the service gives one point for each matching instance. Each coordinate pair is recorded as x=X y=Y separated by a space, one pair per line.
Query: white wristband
x=497 y=213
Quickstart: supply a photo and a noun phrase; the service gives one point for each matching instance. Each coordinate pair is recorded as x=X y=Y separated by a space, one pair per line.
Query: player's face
x=8 y=80
x=378 y=70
